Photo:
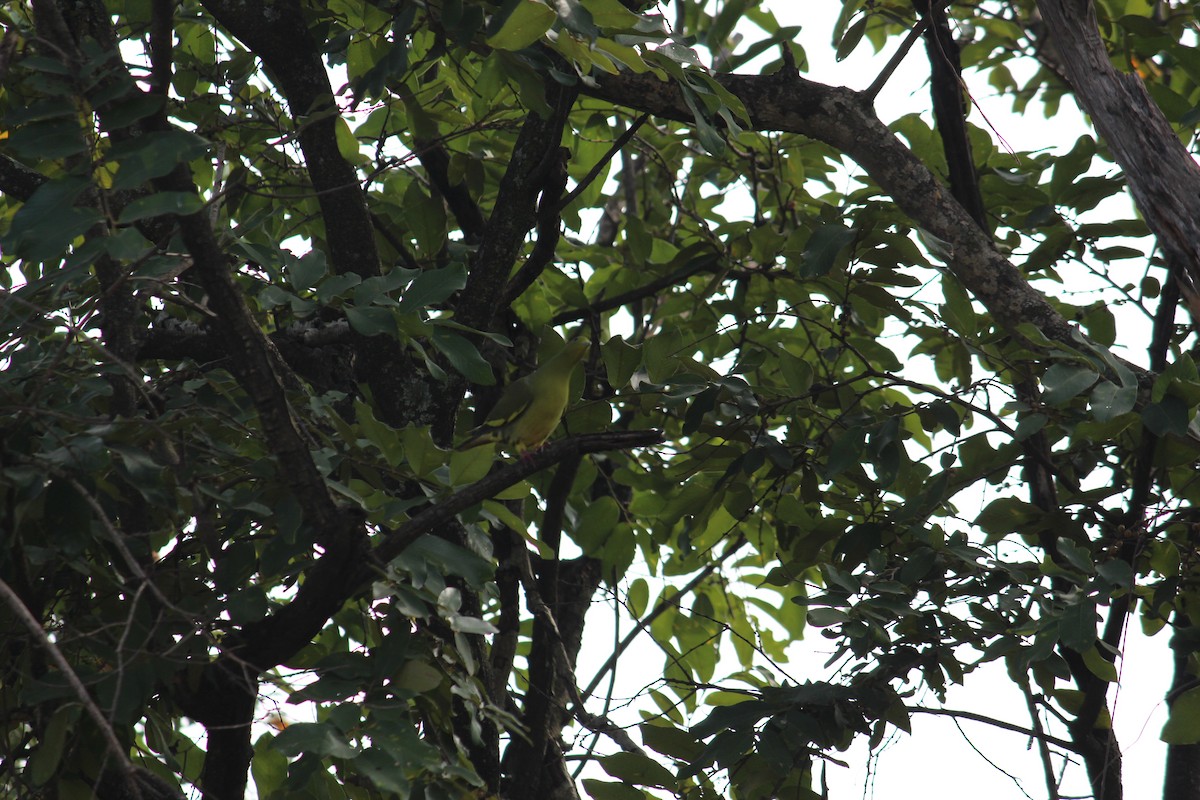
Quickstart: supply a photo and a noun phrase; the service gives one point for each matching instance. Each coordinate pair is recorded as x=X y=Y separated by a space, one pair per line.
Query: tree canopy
x=887 y=383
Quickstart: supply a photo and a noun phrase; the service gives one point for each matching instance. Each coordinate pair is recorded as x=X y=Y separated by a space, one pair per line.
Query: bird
x=529 y=409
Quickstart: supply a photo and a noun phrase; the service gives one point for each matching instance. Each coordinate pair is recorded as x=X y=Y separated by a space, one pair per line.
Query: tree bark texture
x=1162 y=176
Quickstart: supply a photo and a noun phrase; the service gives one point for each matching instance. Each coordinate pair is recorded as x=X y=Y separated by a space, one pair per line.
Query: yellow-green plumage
x=530 y=409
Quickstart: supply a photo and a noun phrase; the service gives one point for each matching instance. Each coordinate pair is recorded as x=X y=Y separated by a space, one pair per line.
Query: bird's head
x=576 y=349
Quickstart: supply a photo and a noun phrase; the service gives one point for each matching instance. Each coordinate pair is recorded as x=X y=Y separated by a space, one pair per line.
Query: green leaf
x=637 y=597
x=471 y=465
x=153 y=155
x=418 y=676
x=958 y=310
x=528 y=22
x=722 y=26
x=530 y=87
x=1180 y=375
x=49 y=139
x=726 y=749
x=128 y=244
x=426 y=217
x=385 y=771
x=347 y=145
x=420 y=453
x=608 y=790
x=156 y=205
x=946 y=416
x=611 y=14
x=796 y=372
x=43 y=764
x=372 y=321
x=393 y=64
x=576 y=18
x=1008 y=515
x=822 y=617
x=48 y=222
x=383 y=436
x=1064 y=381
x=709 y=137
x=503 y=515
x=740 y=716
x=306 y=271
x=1109 y=401
x=1170 y=417
x=597 y=523
x=853 y=36
x=660 y=354
x=1078 y=557
x=131 y=107
x=1098 y=665
x=317 y=738
x=847 y=450
x=1077 y=625
x=823 y=248
x=1069 y=167
x=448 y=558
x=1029 y=425
x=621 y=359
x=463 y=356
x=269 y=766
x=1183 y=722
x=247 y=605
x=1117 y=572
x=671 y=741
x=635 y=768
x=433 y=286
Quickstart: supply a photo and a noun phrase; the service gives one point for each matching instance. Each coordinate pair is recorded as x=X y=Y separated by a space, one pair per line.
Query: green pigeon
x=529 y=409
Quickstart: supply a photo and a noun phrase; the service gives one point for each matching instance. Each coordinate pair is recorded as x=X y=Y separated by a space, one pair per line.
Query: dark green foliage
x=243 y=319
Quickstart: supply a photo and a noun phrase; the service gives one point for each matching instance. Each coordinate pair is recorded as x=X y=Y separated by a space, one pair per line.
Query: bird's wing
x=530 y=409
x=514 y=401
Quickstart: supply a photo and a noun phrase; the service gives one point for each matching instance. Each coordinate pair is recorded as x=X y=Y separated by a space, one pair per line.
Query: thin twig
x=115 y=538
x=1043 y=746
x=696 y=265
x=894 y=62
x=997 y=723
x=594 y=172
x=642 y=624
x=594 y=722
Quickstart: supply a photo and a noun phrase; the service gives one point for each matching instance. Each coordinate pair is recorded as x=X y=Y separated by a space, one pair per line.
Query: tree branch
x=279 y=35
x=535 y=154
x=599 y=166
x=162 y=42
x=337 y=577
x=1042 y=745
x=115 y=750
x=549 y=230
x=433 y=158
x=1070 y=747
x=696 y=265
x=949 y=109
x=844 y=119
x=501 y=477
x=18 y=180
x=894 y=62
x=1163 y=177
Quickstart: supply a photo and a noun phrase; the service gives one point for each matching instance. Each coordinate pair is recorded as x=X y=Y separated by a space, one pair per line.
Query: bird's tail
x=476 y=441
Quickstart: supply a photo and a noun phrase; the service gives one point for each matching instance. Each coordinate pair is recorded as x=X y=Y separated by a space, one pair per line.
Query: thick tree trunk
x=1163 y=178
